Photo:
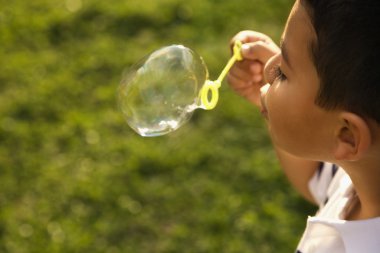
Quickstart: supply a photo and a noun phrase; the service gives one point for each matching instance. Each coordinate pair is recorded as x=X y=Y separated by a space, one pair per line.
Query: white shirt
x=328 y=231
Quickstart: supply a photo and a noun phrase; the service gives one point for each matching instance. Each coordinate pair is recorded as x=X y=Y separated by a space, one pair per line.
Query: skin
x=294 y=120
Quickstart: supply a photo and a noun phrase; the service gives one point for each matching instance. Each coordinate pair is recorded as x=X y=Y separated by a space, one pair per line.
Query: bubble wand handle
x=209 y=94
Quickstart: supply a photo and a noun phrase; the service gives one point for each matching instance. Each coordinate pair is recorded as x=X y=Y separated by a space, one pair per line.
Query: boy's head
x=346 y=54
x=324 y=85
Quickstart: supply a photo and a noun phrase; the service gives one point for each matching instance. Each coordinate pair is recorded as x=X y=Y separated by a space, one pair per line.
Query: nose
x=269 y=70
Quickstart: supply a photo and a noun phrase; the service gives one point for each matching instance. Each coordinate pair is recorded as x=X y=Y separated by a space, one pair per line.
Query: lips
x=264 y=91
x=263 y=110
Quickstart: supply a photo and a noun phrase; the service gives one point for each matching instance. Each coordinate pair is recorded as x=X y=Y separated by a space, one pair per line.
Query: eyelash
x=278 y=74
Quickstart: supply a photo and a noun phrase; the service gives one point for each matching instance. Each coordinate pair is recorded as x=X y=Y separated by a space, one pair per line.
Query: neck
x=365 y=179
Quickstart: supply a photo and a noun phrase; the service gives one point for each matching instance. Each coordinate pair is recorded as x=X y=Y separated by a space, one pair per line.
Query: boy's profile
x=320 y=95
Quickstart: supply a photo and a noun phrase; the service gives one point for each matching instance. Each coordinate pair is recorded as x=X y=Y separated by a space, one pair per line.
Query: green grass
x=75 y=178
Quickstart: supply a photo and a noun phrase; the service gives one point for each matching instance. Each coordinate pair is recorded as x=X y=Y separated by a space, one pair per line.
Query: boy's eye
x=275 y=74
x=278 y=74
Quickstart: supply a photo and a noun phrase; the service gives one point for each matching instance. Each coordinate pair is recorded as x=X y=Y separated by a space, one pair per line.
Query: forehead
x=299 y=33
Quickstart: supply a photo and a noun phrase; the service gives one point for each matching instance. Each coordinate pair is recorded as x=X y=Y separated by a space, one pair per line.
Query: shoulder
x=325 y=235
x=328 y=231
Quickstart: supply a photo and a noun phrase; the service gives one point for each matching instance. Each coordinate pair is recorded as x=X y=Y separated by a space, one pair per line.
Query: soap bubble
x=159 y=94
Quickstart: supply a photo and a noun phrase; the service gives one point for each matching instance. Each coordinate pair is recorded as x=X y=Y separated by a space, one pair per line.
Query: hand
x=246 y=77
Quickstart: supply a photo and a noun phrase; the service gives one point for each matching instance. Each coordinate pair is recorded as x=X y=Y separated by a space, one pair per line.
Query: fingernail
x=245 y=48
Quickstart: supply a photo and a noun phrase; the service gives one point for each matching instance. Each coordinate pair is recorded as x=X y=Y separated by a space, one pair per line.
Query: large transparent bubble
x=160 y=93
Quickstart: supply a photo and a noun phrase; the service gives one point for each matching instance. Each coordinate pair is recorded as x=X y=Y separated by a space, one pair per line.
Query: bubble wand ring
x=209 y=94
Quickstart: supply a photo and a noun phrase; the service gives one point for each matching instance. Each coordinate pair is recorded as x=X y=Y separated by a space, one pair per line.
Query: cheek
x=291 y=122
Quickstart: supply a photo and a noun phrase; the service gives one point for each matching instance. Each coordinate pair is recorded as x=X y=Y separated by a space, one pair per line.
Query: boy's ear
x=353 y=137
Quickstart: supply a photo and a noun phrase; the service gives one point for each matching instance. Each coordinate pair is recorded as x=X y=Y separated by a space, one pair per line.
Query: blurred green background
x=75 y=178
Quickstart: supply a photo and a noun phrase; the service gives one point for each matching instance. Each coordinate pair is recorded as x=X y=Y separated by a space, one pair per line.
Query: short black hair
x=347 y=54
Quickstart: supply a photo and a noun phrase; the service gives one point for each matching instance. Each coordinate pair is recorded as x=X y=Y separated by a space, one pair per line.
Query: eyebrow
x=284 y=52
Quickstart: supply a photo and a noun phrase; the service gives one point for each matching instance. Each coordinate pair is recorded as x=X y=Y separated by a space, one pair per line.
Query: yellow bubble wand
x=209 y=94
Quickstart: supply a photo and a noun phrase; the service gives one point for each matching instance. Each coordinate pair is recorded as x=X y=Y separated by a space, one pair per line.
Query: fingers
x=237 y=82
x=257 y=70
x=246 y=77
x=251 y=36
x=256 y=46
x=248 y=89
x=242 y=70
x=247 y=71
x=259 y=51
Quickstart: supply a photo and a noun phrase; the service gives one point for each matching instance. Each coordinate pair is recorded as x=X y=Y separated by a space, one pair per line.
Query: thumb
x=259 y=51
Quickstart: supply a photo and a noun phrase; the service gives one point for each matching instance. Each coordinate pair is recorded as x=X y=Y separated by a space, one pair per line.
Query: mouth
x=263 y=108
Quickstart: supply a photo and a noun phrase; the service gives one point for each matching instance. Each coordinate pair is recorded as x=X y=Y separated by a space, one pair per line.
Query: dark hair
x=347 y=54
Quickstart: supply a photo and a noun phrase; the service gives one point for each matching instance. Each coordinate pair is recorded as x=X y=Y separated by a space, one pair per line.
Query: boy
x=322 y=103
